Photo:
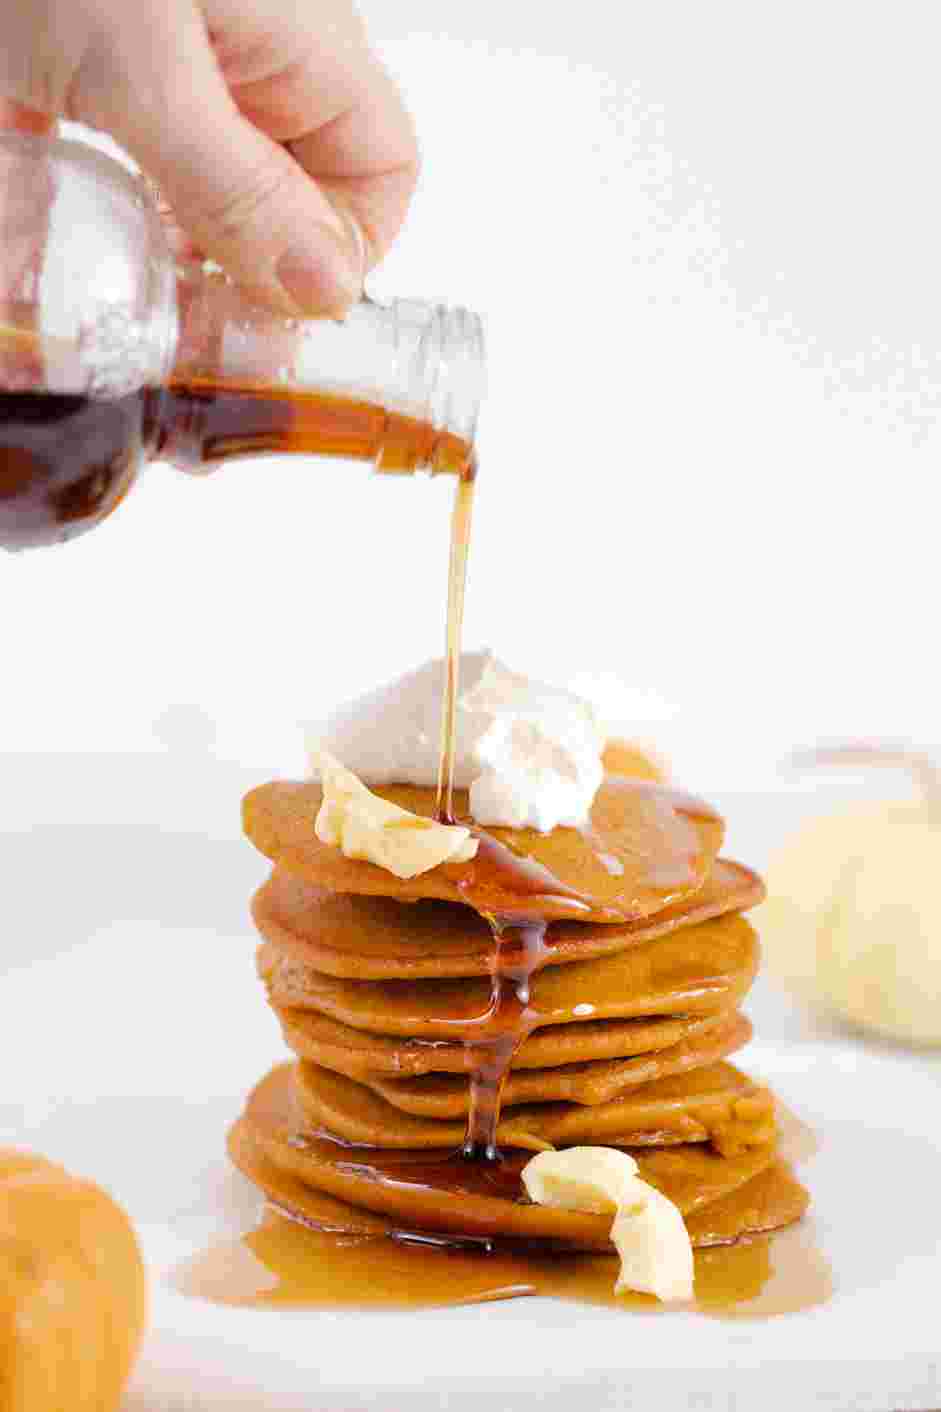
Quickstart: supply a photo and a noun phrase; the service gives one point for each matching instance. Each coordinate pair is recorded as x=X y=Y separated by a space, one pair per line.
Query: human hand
x=275 y=135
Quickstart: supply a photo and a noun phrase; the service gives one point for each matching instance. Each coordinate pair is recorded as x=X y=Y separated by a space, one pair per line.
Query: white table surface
x=132 y=1024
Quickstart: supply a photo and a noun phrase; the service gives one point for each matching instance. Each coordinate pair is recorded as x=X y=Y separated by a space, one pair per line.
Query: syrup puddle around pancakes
x=287 y=1263
x=282 y=1264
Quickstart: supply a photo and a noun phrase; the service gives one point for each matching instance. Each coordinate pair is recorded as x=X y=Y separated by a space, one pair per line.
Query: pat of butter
x=364 y=826
x=648 y=1231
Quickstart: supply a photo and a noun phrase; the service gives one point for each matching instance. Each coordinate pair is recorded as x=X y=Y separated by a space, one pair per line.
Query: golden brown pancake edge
x=691 y=1176
x=632 y=822
x=358 y=937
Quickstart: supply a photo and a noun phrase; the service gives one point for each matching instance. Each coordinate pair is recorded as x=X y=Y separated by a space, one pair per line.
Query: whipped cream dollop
x=529 y=753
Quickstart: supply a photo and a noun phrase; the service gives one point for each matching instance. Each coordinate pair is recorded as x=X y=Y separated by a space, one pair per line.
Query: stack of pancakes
x=378 y=983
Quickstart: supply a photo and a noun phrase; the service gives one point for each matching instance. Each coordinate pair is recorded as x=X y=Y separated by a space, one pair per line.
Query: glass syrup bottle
x=114 y=353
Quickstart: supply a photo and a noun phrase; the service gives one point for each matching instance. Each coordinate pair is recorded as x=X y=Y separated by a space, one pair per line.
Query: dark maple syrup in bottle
x=113 y=353
x=67 y=460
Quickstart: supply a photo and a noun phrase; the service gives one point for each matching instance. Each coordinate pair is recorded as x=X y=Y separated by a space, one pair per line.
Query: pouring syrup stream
x=457 y=581
x=519 y=944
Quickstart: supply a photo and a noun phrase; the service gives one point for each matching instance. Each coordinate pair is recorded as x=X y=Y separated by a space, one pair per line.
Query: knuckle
x=245 y=202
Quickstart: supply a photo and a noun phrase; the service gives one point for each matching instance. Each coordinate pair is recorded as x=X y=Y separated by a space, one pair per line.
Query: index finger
x=344 y=121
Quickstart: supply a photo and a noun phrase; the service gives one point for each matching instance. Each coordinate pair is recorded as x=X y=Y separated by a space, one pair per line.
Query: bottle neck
x=398 y=385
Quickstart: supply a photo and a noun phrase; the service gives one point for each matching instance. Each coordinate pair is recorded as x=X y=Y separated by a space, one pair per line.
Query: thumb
x=240 y=197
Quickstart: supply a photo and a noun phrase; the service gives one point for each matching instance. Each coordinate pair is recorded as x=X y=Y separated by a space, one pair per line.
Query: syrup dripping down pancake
x=376 y=938
x=446 y=1095
x=716 y=1104
x=696 y=970
x=360 y=1053
x=647 y=847
x=440 y=1192
x=772 y=1199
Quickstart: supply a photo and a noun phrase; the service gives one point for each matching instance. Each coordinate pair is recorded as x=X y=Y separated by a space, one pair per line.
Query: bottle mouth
x=460 y=382
x=441 y=366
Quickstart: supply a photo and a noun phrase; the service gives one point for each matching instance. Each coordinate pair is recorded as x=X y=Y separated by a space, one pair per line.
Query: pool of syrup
x=310 y=1250
x=283 y=1264
x=290 y=1262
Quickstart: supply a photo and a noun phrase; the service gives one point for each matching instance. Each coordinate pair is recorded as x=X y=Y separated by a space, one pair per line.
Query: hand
x=276 y=136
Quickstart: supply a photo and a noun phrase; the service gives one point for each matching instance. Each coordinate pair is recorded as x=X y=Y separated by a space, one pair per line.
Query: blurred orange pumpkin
x=72 y=1291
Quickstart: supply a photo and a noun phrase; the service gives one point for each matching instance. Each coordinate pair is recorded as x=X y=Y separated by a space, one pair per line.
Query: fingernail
x=318 y=276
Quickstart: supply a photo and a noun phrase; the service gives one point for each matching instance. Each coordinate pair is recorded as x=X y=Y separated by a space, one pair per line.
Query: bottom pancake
x=433 y=1191
x=310 y=1250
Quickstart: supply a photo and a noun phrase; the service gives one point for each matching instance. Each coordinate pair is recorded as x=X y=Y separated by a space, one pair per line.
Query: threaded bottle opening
x=440 y=375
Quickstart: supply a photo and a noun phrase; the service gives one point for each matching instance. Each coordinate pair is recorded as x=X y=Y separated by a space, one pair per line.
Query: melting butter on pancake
x=647 y=847
x=696 y=970
x=377 y=938
x=348 y=1051
x=716 y=1104
x=448 y=1095
x=692 y=1176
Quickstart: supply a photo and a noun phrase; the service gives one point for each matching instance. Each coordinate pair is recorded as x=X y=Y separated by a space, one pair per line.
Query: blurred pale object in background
x=853 y=918
x=631 y=718
x=624 y=757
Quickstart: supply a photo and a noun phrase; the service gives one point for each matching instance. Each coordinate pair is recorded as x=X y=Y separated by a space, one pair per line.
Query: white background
x=706 y=240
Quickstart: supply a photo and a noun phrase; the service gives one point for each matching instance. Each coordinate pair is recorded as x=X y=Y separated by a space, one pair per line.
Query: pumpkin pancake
x=646 y=847
x=772 y=1199
x=447 y=1095
x=716 y=1104
x=377 y=938
x=432 y=1191
x=696 y=970
x=349 y=1051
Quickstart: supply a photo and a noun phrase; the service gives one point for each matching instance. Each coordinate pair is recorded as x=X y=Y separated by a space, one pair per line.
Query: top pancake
x=646 y=848
x=376 y=938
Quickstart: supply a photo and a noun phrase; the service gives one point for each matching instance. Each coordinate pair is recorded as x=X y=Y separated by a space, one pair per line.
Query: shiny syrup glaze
x=430 y=1174
x=289 y=1260
x=430 y=1169
x=520 y=950
x=284 y=1264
